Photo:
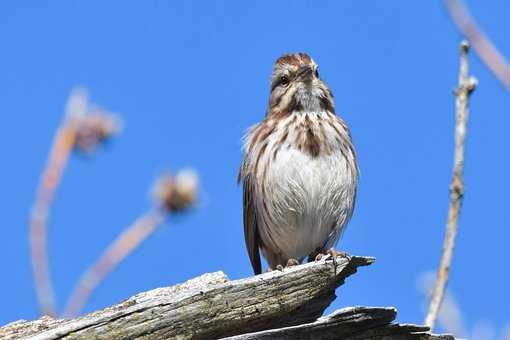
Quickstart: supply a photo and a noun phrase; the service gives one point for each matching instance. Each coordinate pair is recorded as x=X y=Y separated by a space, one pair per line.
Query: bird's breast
x=306 y=183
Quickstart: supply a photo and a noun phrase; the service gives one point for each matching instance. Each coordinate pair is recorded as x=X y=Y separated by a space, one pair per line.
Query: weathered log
x=352 y=323
x=211 y=306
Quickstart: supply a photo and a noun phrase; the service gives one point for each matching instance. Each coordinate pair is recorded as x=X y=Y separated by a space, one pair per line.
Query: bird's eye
x=317 y=73
x=284 y=80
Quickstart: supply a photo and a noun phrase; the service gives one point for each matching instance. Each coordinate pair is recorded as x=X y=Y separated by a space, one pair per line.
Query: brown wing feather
x=251 y=234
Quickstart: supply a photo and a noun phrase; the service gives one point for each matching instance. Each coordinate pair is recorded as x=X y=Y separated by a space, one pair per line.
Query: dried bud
x=94 y=128
x=91 y=125
x=176 y=193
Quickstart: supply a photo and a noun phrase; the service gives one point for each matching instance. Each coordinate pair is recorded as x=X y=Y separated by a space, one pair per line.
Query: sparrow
x=299 y=170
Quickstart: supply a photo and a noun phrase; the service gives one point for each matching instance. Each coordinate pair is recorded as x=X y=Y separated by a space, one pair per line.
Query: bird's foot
x=331 y=253
x=335 y=253
x=290 y=263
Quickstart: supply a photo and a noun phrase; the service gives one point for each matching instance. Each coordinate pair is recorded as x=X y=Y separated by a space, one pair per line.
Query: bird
x=299 y=170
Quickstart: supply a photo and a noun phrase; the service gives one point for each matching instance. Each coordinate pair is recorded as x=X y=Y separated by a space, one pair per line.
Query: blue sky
x=189 y=77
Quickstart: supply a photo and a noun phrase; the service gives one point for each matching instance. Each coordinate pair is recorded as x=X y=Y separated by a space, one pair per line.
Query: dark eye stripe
x=278 y=82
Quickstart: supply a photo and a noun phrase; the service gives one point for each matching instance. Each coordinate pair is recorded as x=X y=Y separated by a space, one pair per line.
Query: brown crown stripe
x=294 y=59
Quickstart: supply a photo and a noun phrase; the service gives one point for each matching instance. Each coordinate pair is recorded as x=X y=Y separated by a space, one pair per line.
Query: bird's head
x=296 y=87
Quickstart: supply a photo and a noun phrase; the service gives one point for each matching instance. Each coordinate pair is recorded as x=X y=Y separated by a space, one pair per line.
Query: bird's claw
x=290 y=263
x=335 y=253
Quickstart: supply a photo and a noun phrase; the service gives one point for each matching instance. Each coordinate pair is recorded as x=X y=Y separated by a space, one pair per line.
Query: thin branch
x=63 y=143
x=83 y=130
x=124 y=245
x=171 y=195
x=466 y=87
x=481 y=43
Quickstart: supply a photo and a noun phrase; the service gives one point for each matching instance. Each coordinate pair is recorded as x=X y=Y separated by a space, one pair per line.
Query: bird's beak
x=305 y=74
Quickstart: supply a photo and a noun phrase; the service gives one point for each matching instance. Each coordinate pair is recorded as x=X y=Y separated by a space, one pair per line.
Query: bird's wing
x=251 y=234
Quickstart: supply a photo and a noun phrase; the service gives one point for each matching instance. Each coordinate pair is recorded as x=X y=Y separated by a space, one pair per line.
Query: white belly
x=310 y=200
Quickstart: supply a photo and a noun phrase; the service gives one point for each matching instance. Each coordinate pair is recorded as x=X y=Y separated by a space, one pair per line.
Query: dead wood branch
x=349 y=324
x=466 y=87
x=288 y=302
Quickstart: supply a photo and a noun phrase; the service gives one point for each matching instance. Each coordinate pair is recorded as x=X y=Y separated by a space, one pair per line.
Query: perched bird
x=299 y=170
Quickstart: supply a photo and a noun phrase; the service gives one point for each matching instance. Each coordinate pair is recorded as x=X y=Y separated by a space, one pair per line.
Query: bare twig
x=62 y=145
x=124 y=245
x=466 y=87
x=481 y=43
x=450 y=315
x=172 y=194
x=80 y=130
